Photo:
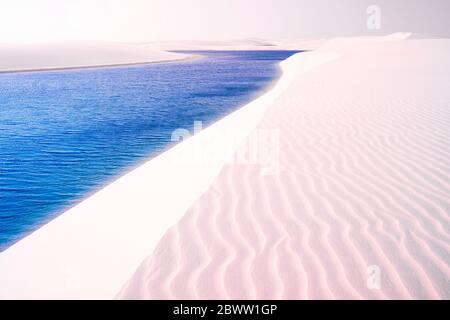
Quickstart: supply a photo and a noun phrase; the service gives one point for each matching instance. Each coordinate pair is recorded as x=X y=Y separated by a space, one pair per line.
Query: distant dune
x=15 y=58
x=240 y=44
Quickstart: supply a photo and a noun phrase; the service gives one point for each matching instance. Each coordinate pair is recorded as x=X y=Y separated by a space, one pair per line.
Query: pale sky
x=149 y=20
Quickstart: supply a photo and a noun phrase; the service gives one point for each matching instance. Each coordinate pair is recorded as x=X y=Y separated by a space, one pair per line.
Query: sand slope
x=364 y=181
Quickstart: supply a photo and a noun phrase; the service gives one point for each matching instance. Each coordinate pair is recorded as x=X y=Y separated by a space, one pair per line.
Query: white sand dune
x=364 y=181
x=15 y=58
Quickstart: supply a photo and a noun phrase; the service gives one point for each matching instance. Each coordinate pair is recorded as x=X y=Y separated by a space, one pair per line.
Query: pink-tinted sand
x=363 y=183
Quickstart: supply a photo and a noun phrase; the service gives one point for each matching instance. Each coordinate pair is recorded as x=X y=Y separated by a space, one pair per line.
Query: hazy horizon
x=37 y=21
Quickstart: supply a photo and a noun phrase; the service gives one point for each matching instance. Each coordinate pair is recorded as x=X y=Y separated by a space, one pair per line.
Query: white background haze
x=40 y=21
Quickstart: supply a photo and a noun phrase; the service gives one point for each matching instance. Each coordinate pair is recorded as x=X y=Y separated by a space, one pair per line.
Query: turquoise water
x=64 y=134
